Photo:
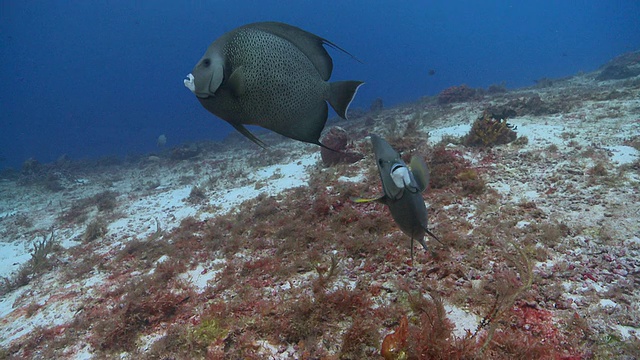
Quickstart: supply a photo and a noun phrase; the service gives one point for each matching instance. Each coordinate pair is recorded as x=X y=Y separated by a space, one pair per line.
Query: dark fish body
x=410 y=213
x=272 y=75
x=403 y=186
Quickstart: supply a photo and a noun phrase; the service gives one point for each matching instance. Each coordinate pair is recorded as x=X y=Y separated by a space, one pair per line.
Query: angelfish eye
x=206 y=62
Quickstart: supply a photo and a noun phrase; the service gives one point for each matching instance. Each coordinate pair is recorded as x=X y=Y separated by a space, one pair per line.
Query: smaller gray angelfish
x=403 y=186
x=272 y=75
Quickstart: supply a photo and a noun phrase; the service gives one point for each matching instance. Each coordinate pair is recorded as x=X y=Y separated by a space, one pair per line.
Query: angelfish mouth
x=189 y=82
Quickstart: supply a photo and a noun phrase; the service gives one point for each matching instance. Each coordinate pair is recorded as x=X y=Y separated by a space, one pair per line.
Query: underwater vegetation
x=185 y=152
x=38 y=263
x=450 y=170
x=312 y=276
x=489 y=130
x=103 y=203
x=456 y=94
x=50 y=177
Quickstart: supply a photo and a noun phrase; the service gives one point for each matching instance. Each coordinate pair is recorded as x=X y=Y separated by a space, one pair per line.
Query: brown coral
x=460 y=93
x=338 y=139
x=488 y=131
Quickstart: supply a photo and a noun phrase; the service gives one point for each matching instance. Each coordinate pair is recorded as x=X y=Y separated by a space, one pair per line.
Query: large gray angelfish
x=273 y=75
x=403 y=186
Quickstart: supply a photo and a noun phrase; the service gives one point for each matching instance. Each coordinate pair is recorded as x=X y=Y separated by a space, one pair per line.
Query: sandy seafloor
x=594 y=266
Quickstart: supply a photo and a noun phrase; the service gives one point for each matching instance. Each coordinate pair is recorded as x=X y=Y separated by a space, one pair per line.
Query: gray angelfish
x=272 y=75
x=403 y=186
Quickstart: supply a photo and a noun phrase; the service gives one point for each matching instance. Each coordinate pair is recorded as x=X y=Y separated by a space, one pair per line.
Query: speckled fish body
x=272 y=75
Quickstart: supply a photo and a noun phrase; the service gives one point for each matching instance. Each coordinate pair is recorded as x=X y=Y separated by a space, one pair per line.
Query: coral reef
x=457 y=94
x=338 y=139
x=51 y=177
x=622 y=67
x=95 y=230
x=616 y=72
x=376 y=105
x=497 y=89
x=531 y=104
x=488 y=131
x=185 y=152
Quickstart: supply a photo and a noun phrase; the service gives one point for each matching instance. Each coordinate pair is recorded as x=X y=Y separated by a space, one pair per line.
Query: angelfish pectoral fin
x=242 y=130
x=420 y=172
x=237 y=82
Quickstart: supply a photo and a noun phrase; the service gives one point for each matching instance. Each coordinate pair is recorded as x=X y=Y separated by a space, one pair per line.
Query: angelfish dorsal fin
x=310 y=44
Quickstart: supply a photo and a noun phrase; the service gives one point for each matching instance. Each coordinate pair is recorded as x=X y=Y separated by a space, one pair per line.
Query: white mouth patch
x=189 y=83
x=400 y=176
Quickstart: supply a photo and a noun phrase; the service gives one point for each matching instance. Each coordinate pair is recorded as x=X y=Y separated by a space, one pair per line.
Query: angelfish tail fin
x=341 y=94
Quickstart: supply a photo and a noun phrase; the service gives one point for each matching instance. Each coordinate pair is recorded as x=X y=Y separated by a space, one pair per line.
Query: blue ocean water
x=90 y=79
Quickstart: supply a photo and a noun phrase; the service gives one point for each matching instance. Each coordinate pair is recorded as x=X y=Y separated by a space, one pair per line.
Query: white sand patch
x=6 y=306
x=55 y=310
x=539 y=135
x=462 y=320
x=608 y=303
x=167 y=207
x=275 y=352
x=146 y=341
x=436 y=135
x=500 y=187
x=276 y=178
x=12 y=255
x=353 y=179
x=623 y=154
x=57 y=313
x=201 y=275
x=628 y=332
x=515 y=193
